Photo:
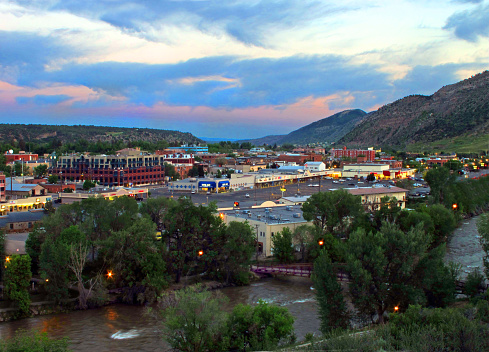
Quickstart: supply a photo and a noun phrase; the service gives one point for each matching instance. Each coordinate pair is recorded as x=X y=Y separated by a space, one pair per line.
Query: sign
x=283 y=189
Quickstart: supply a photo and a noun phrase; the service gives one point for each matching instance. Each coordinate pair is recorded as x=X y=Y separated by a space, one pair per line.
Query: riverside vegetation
x=394 y=256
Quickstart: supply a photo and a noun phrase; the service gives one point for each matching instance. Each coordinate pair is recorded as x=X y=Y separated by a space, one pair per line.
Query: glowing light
x=454 y=206
x=7 y=259
x=396 y=308
x=201 y=252
x=47 y=280
x=320 y=242
x=109 y=274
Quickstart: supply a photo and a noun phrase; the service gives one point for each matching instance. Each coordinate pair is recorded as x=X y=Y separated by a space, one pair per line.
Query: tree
x=156 y=209
x=381 y=265
x=87 y=184
x=259 y=328
x=2 y=252
x=282 y=246
x=388 y=211
x=443 y=221
x=41 y=171
x=53 y=179
x=221 y=161
x=370 y=177
x=332 y=307
x=136 y=261
x=193 y=319
x=304 y=236
x=16 y=281
x=235 y=251
x=439 y=179
x=334 y=212
x=483 y=228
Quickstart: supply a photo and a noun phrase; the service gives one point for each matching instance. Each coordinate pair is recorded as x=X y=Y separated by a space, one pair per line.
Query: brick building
x=22 y=156
x=352 y=153
x=2 y=187
x=300 y=158
x=127 y=168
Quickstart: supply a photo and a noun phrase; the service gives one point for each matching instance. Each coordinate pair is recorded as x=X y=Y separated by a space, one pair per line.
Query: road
x=258 y=195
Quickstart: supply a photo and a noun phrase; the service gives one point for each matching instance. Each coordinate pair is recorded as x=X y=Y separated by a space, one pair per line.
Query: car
x=360 y=182
x=208 y=193
x=193 y=192
x=336 y=181
x=418 y=185
x=247 y=195
x=328 y=178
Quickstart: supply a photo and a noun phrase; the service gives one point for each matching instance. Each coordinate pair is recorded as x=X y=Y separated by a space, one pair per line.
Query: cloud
x=43 y=99
x=248 y=21
x=470 y=25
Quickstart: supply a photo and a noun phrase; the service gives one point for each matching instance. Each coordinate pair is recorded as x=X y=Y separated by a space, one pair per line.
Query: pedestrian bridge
x=297 y=269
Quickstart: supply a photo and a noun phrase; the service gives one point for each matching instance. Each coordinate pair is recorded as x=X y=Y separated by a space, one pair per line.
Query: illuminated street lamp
x=321 y=242
x=7 y=259
x=109 y=274
x=396 y=309
x=454 y=206
x=201 y=253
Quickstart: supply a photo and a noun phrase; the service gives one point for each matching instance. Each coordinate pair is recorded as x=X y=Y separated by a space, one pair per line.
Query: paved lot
x=15 y=243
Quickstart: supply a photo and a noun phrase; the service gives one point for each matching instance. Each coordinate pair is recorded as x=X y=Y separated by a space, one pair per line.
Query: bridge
x=297 y=269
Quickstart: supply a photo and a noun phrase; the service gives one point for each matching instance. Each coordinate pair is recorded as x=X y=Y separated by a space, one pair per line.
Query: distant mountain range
x=327 y=130
x=457 y=111
x=453 y=117
x=47 y=133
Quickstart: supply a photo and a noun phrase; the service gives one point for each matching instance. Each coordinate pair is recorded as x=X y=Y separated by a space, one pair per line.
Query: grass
x=463 y=144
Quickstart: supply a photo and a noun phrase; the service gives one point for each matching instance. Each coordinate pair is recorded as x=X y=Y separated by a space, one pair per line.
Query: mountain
x=455 y=112
x=47 y=133
x=327 y=130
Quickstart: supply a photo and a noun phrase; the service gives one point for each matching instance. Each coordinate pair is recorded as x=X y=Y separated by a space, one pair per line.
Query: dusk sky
x=229 y=68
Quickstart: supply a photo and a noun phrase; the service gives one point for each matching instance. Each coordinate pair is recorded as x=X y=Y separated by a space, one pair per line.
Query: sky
x=229 y=68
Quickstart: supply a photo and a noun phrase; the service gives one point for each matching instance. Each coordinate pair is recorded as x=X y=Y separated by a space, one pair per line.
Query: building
x=137 y=193
x=182 y=163
x=22 y=156
x=352 y=153
x=314 y=166
x=128 y=167
x=23 y=190
x=20 y=222
x=267 y=221
x=371 y=196
x=2 y=187
x=300 y=158
x=194 y=149
x=28 y=204
x=317 y=150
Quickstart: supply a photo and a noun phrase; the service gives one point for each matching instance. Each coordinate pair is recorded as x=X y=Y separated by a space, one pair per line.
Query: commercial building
x=24 y=205
x=300 y=158
x=353 y=154
x=371 y=196
x=129 y=167
x=20 y=222
x=2 y=187
x=22 y=156
x=137 y=193
x=267 y=221
x=23 y=190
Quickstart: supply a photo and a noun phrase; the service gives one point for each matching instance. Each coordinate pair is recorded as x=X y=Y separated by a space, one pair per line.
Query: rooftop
x=272 y=215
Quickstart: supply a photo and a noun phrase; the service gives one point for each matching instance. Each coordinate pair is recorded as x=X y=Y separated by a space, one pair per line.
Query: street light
x=454 y=206
x=201 y=253
x=396 y=309
x=109 y=274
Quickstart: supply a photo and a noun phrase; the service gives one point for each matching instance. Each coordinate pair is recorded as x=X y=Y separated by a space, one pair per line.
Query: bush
x=33 y=342
x=474 y=284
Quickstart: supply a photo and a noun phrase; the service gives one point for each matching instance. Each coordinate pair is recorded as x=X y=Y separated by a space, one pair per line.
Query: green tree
x=334 y=212
x=87 y=184
x=136 y=260
x=439 y=179
x=16 y=281
x=53 y=179
x=193 y=319
x=443 y=221
x=304 y=236
x=260 y=327
x=483 y=228
x=332 y=307
x=41 y=171
x=381 y=265
x=388 y=210
x=283 y=250
x=156 y=209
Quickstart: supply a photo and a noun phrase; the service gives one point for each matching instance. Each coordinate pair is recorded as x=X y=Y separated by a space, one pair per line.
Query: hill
x=457 y=112
x=64 y=134
x=327 y=130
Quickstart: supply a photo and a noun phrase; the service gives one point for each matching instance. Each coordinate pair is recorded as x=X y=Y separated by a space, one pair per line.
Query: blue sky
x=229 y=69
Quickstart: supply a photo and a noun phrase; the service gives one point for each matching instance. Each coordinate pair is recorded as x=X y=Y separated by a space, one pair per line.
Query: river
x=127 y=328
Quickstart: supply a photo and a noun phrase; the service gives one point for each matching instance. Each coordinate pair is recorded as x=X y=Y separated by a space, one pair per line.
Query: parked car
x=336 y=181
x=193 y=192
x=208 y=192
x=247 y=195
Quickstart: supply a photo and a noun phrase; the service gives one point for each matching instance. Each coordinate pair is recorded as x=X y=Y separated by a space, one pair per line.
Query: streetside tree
x=16 y=281
x=382 y=264
x=332 y=307
x=443 y=221
x=283 y=249
x=334 y=212
x=41 y=171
